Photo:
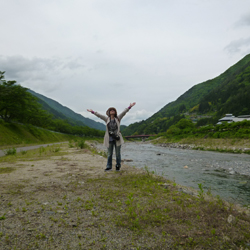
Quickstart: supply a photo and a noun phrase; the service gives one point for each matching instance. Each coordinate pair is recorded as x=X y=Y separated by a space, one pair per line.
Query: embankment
x=14 y=134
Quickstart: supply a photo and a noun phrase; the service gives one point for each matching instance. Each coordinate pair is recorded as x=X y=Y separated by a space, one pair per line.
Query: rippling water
x=204 y=167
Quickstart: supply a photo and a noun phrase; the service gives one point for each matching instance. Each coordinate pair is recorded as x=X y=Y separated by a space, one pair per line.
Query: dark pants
x=112 y=145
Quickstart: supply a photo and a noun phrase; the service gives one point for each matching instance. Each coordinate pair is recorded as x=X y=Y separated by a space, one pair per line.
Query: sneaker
x=117 y=168
x=108 y=169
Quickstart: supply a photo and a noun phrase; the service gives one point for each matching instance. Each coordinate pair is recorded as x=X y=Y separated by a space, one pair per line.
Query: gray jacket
x=107 y=120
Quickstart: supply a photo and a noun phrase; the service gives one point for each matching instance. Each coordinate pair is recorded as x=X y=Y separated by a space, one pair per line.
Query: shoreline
x=224 y=149
x=241 y=170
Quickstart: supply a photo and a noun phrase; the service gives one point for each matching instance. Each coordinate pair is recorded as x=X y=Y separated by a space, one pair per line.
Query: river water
x=191 y=167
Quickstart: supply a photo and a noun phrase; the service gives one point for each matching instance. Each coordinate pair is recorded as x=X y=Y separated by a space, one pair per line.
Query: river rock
x=232 y=172
x=231 y=219
x=49 y=212
x=185 y=167
x=60 y=211
x=187 y=192
x=165 y=185
x=225 y=238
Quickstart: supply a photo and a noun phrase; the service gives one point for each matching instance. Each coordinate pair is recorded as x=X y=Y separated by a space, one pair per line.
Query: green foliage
x=157 y=126
x=18 y=134
x=10 y=151
x=81 y=144
x=201 y=190
x=6 y=170
x=184 y=128
x=16 y=104
x=2 y=217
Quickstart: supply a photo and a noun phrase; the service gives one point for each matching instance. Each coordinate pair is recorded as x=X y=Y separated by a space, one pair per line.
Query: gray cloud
x=243 y=21
x=38 y=73
x=237 y=46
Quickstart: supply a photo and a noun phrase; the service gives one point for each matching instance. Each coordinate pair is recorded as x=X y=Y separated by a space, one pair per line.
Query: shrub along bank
x=227 y=137
x=185 y=128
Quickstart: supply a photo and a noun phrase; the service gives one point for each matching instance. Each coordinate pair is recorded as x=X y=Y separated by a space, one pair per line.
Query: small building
x=231 y=118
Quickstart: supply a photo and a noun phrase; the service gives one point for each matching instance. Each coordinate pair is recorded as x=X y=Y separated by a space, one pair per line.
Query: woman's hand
x=90 y=110
x=132 y=104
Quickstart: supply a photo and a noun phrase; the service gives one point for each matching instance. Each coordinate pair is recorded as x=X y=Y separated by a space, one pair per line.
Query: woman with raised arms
x=113 y=137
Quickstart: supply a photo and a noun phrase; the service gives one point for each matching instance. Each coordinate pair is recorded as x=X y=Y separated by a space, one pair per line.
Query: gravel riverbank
x=238 y=168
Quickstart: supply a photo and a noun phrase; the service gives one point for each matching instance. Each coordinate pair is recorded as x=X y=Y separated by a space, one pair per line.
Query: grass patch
x=36 y=154
x=6 y=170
x=142 y=204
x=10 y=151
x=13 y=134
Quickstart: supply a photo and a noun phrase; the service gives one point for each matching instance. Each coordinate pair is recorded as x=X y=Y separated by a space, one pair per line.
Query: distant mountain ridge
x=61 y=112
x=196 y=93
x=227 y=93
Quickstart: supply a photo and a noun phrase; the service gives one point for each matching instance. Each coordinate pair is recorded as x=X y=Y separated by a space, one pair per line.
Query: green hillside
x=227 y=93
x=12 y=134
x=61 y=112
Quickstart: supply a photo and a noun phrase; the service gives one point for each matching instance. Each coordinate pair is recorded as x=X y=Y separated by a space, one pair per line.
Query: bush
x=81 y=144
x=11 y=151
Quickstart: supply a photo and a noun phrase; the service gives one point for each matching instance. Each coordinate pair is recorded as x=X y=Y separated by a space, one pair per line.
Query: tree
x=182 y=108
x=18 y=104
x=204 y=107
x=184 y=123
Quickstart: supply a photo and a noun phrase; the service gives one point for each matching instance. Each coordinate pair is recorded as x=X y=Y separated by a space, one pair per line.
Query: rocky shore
x=237 y=169
x=208 y=148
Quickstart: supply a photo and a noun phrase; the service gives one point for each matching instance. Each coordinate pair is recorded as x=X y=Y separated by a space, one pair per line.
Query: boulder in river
x=185 y=167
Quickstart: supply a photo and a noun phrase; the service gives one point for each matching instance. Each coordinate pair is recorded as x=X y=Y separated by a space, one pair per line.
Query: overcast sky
x=100 y=53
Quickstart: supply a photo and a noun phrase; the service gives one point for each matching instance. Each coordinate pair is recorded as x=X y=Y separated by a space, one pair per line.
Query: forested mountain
x=61 y=112
x=227 y=93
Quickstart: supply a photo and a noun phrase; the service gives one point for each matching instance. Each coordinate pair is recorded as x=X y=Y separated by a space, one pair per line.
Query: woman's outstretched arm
x=120 y=116
x=103 y=117
x=132 y=104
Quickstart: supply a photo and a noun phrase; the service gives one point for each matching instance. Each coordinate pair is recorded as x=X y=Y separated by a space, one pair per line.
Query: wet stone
x=231 y=219
x=9 y=226
x=60 y=211
x=49 y=212
x=187 y=192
